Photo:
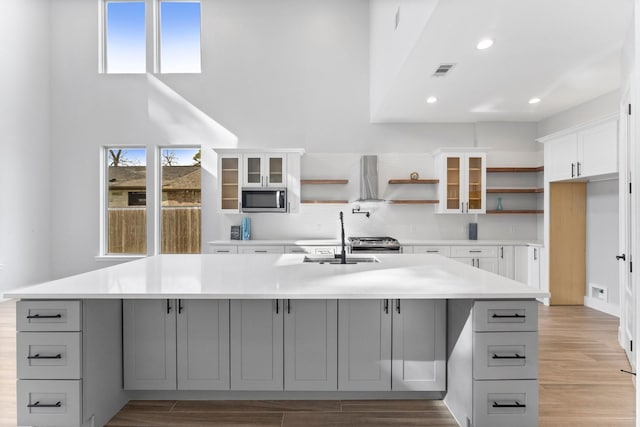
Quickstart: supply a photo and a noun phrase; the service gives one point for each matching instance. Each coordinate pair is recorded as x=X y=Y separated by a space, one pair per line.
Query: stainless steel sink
x=336 y=260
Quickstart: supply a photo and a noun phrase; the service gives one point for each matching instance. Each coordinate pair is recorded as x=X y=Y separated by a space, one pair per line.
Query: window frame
x=158 y=35
x=102 y=29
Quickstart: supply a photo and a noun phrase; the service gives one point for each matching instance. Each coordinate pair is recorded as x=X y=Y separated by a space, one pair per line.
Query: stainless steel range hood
x=369 y=179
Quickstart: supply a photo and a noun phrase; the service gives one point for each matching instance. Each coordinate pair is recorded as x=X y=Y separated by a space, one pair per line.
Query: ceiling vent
x=443 y=70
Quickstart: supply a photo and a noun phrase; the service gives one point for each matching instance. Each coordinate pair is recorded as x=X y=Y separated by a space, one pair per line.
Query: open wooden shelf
x=516 y=211
x=324 y=181
x=413 y=202
x=515 y=190
x=414 y=181
x=516 y=169
x=324 y=202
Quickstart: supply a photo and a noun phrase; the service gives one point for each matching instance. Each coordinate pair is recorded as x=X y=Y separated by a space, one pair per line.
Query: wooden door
x=364 y=345
x=419 y=345
x=567 y=229
x=149 y=344
x=203 y=344
x=256 y=336
x=311 y=345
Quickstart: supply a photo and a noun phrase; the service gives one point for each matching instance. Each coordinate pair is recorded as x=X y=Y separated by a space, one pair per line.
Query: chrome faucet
x=343 y=255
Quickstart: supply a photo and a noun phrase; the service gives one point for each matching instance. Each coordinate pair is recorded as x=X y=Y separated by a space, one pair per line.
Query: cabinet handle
x=516 y=404
x=435 y=251
x=515 y=356
x=260 y=252
x=508 y=316
x=578 y=168
x=398 y=306
x=288 y=306
x=37 y=356
x=573 y=168
x=46 y=316
x=223 y=252
x=501 y=252
x=277 y=307
x=621 y=257
x=168 y=307
x=535 y=254
x=386 y=306
x=40 y=405
x=180 y=306
x=475 y=252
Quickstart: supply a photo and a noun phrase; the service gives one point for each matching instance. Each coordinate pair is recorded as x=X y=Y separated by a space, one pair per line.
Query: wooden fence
x=180 y=230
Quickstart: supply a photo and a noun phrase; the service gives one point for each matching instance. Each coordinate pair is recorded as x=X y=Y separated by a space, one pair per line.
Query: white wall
x=283 y=73
x=24 y=126
x=602 y=240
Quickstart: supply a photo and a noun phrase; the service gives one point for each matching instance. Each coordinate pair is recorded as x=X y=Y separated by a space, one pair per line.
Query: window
x=125 y=48
x=181 y=200
x=179 y=37
x=126 y=210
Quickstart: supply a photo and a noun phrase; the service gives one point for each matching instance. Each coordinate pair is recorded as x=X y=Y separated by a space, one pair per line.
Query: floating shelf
x=517 y=169
x=324 y=181
x=515 y=190
x=413 y=202
x=324 y=202
x=517 y=211
x=414 y=181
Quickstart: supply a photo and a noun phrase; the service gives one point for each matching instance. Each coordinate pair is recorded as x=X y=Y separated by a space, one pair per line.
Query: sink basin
x=336 y=259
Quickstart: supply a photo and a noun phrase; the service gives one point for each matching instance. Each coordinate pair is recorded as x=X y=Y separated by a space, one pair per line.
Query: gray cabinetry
x=171 y=344
x=256 y=336
x=310 y=345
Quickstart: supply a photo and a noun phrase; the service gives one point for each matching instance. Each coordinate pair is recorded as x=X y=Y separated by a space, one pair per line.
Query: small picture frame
x=235 y=232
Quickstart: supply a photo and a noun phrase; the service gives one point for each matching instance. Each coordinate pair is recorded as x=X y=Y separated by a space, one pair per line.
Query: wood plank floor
x=580 y=385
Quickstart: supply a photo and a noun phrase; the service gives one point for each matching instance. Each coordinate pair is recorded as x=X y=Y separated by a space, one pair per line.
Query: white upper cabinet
x=265 y=170
x=463 y=177
x=590 y=151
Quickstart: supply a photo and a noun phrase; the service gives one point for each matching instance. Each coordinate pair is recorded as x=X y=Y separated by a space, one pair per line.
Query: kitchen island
x=276 y=327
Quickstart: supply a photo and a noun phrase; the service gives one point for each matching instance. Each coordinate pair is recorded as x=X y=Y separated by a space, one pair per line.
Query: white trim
x=258 y=150
x=576 y=128
x=449 y=150
x=605 y=307
x=118 y=258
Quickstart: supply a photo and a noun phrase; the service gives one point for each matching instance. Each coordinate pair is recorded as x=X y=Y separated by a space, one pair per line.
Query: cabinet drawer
x=440 y=250
x=49 y=355
x=474 y=251
x=48 y=316
x=261 y=249
x=313 y=250
x=505 y=403
x=496 y=316
x=230 y=249
x=49 y=403
x=505 y=355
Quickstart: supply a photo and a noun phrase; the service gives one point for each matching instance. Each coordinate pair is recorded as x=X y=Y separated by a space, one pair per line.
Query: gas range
x=374 y=244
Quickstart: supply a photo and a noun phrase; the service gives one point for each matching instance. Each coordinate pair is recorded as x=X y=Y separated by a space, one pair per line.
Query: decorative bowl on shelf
x=414 y=175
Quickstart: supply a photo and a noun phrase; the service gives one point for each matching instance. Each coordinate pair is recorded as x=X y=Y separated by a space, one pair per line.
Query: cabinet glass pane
x=229 y=183
x=453 y=182
x=253 y=170
x=475 y=183
x=275 y=170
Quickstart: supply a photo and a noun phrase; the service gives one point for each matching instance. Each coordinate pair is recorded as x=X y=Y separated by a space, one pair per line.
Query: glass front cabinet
x=462 y=182
x=264 y=170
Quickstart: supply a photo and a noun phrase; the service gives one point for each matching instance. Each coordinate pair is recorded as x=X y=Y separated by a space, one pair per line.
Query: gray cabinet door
x=203 y=344
x=149 y=334
x=364 y=345
x=419 y=345
x=256 y=344
x=311 y=345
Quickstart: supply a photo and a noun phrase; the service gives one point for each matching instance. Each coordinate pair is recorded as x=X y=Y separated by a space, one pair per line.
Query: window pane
x=181 y=183
x=125 y=38
x=179 y=37
x=126 y=231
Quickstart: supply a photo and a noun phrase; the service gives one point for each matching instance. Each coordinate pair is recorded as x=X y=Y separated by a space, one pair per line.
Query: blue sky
x=179 y=37
x=126 y=51
x=138 y=156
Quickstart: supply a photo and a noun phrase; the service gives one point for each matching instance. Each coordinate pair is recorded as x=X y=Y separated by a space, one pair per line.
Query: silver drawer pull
x=40 y=316
x=515 y=356
x=475 y=252
x=260 y=252
x=37 y=356
x=433 y=252
x=222 y=252
x=516 y=404
x=40 y=405
x=508 y=316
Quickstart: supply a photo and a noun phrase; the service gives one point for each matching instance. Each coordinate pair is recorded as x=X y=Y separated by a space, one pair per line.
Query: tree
x=169 y=158
x=119 y=158
x=197 y=158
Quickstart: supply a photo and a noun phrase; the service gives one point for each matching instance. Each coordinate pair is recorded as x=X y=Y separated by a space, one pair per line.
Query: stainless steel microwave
x=264 y=199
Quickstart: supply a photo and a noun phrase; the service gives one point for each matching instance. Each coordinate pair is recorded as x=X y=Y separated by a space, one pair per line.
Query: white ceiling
x=565 y=52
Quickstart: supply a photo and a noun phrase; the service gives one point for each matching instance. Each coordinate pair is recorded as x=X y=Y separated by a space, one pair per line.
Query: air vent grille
x=443 y=70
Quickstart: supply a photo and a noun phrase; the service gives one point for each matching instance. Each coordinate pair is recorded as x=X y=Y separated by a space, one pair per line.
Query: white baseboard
x=605 y=307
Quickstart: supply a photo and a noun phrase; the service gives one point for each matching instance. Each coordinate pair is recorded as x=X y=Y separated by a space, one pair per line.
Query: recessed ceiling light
x=534 y=100
x=432 y=100
x=484 y=44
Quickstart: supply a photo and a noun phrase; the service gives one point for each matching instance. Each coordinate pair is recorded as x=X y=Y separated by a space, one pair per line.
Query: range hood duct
x=369 y=179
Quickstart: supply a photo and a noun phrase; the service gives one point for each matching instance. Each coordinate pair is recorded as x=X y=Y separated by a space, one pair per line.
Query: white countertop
x=405 y=242
x=282 y=276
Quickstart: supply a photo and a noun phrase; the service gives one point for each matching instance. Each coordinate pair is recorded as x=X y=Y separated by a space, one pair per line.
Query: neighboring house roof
x=174 y=177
